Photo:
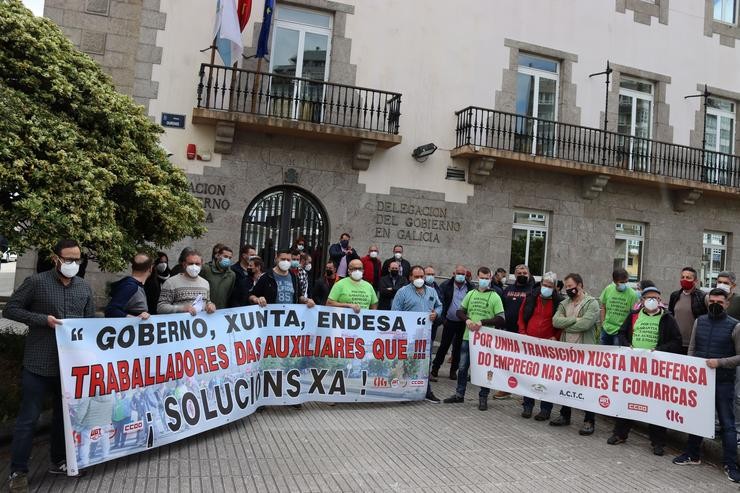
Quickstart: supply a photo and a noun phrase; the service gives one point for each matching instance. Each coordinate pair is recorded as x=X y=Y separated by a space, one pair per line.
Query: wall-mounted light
x=423 y=152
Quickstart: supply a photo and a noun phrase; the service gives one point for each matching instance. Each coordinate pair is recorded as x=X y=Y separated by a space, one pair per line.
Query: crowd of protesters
x=692 y=322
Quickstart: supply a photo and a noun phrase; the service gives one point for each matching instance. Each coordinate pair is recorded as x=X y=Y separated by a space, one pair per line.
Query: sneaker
x=732 y=474
x=432 y=398
x=482 y=403
x=586 y=429
x=501 y=395
x=60 y=469
x=615 y=440
x=454 y=399
x=686 y=460
x=658 y=450
x=527 y=413
x=433 y=378
x=560 y=421
x=453 y=374
x=542 y=416
x=18 y=482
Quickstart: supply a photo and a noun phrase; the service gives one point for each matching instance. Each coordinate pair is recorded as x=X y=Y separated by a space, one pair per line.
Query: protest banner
x=665 y=389
x=129 y=385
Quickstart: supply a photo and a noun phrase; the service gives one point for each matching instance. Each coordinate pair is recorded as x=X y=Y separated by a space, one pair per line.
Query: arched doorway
x=279 y=215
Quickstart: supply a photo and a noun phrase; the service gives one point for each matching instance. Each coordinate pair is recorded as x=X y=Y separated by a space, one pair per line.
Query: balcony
x=486 y=136
x=272 y=103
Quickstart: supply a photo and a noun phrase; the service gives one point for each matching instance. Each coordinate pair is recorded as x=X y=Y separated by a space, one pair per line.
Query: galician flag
x=227 y=33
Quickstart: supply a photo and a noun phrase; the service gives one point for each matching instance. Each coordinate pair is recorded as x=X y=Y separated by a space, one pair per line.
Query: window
x=635 y=122
x=629 y=241
x=714 y=258
x=529 y=241
x=536 y=97
x=724 y=11
x=720 y=138
x=300 y=48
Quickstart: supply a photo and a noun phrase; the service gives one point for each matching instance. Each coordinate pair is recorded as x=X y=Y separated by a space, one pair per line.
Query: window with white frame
x=529 y=241
x=301 y=43
x=536 y=97
x=714 y=259
x=635 y=122
x=725 y=11
x=720 y=139
x=629 y=243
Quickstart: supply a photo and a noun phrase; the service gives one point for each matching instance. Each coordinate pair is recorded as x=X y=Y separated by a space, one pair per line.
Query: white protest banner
x=665 y=389
x=129 y=385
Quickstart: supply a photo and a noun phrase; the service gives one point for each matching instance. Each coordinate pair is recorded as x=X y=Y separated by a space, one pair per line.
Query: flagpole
x=256 y=84
x=210 y=72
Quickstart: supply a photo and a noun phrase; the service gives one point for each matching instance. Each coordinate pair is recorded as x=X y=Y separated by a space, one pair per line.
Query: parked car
x=9 y=256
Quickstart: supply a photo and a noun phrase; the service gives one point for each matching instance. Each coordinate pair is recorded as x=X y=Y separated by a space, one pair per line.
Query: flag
x=265 y=31
x=226 y=32
x=244 y=10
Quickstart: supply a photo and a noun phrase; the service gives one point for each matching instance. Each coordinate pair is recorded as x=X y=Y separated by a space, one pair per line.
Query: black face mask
x=250 y=272
x=716 y=310
x=572 y=292
x=394 y=273
x=522 y=279
x=329 y=273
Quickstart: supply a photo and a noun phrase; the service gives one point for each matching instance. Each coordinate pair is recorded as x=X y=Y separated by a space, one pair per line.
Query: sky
x=36 y=6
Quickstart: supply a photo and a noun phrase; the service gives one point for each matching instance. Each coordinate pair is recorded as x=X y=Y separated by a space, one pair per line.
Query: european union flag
x=262 y=49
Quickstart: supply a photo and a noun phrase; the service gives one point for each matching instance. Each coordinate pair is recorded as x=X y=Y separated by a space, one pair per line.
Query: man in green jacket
x=578 y=317
x=220 y=277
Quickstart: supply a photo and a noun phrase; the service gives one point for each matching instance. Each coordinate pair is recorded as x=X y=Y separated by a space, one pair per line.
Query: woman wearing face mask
x=653 y=328
x=153 y=284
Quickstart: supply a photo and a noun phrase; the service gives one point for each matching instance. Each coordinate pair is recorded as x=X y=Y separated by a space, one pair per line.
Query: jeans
x=452 y=335
x=35 y=388
x=609 y=340
x=724 y=401
x=588 y=417
x=544 y=405
x=657 y=433
x=462 y=373
x=737 y=401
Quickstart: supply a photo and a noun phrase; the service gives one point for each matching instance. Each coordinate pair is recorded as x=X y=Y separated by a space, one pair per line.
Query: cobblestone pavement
x=391 y=447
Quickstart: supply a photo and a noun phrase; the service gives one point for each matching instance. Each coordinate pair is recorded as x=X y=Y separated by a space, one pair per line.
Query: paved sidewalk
x=391 y=447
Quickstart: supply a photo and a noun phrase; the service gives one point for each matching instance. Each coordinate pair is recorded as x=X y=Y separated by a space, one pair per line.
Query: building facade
x=538 y=160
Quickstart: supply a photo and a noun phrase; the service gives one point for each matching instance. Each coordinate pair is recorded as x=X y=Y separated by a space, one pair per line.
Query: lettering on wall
x=213 y=197
x=406 y=221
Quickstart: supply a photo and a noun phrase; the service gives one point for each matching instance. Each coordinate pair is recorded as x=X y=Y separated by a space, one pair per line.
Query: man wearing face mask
x=42 y=302
x=243 y=287
x=297 y=270
x=418 y=297
x=186 y=292
x=389 y=286
x=480 y=307
x=716 y=337
x=726 y=282
x=404 y=266
x=653 y=328
x=371 y=267
x=578 y=317
x=279 y=285
x=246 y=252
x=220 y=277
x=687 y=304
x=513 y=296
x=430 y=280
x=535 y=320
x=324 y=284
x=353 y=292
x=616 y=302
x=499 y=278
x=342 y=254
x=453 y=293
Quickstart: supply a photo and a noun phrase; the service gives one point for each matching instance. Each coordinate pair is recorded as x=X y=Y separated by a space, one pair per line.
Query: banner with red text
x=129 y=385
x=665 y=389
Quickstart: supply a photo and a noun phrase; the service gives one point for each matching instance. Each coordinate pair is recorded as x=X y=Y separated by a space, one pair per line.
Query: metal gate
x=278 y=216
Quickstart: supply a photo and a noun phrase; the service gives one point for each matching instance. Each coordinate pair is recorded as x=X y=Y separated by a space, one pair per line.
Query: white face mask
x=300 y=247
x=418 y=283
x=398 y=255
x=651 y=304
x=307 y=267
x=69 y=270
x=724 y=287
x=373 y=254
x=284 y=265
x=193 y=270
x=356 y=275
x=161 y=267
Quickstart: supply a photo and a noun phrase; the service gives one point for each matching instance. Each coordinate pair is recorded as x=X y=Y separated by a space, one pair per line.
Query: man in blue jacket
x=127 y=296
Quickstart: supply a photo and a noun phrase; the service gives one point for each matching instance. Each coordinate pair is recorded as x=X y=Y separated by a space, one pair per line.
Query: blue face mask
x=460 y=278
x=546 y=292
x=621 y=286
x=429 y=280
x=484 y=283
x=225 y=263
x=294 y=264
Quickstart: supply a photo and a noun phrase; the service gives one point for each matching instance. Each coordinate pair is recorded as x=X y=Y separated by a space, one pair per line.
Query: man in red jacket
x=371 y=267
x=535 y=319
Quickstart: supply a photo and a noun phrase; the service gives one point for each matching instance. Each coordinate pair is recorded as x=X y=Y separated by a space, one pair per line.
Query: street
x=7 y=278
x=392 y=447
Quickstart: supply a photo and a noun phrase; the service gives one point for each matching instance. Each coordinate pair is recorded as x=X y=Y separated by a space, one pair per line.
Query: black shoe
x=453 y=374
x=527 y=413
x=615 y=440
x=432 y=378
x=454 y=399
x=434 y=373
x=432 y=398
x=60 y=469
x=297 y=407
x=542 y=416
x=586 y=429
x=658 y=450
x=482 y=403
x=560 y=421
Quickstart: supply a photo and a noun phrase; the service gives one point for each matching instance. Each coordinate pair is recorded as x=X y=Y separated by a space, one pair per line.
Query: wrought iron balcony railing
x=510 y=132
x=295 y=98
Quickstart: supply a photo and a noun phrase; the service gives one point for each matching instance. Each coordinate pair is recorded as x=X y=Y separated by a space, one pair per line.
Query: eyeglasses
x=352 y=269
x=70 y=261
